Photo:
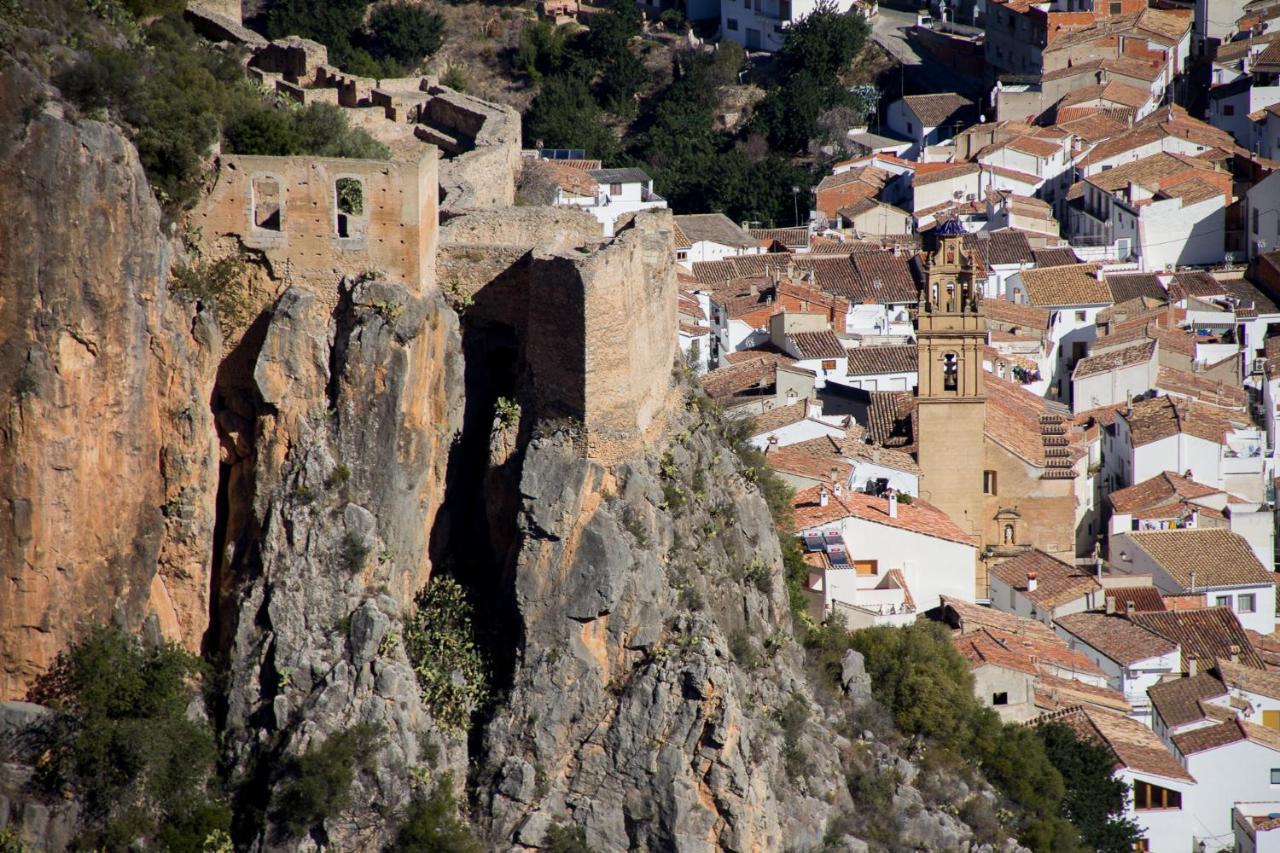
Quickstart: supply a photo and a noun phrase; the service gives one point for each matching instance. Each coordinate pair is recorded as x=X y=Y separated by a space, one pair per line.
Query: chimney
x=824 y=497
x=1193 y=581
x=1031 y=581
x=773 y=443
x=1235 y=653
x=1111 y=605
x=1130 y=608
x=893 y=502
x=1193 y=667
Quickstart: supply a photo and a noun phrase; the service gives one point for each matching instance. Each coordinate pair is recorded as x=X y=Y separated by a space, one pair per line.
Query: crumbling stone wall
x=595 y=320
x=288 y=209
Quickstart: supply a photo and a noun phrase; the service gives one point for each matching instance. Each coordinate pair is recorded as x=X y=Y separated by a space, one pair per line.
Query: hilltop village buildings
x=1021 y=366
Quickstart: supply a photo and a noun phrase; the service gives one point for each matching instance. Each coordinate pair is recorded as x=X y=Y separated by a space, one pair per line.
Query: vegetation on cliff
x=175 y=95
x=121 y=741
x=391 y=41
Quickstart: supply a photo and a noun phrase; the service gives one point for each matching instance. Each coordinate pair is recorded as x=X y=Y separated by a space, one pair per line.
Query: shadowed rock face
x=107 y=453
x=354 y=415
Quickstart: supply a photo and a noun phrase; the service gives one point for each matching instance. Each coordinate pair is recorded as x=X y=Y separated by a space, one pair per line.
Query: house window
x=1115 y=8
x=1142 y=846
x=615 y=189
x=988 y=482
x=1275 y=775
x=1223 y=601
x=1080 y=316
x=682 y=254
x=828 y=364
x=910 y=128
x=1246 y=603
x=1271 y=719
x=733 y=24
x=1147 y=796
x=950 y=372
x=1001 y=698
x=1254 y=214
x=866 y=567
x=1013 y=598
x=784 y=10
x=1228 y=109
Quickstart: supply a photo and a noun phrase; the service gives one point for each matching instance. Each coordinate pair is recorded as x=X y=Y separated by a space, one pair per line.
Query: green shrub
x=405 y=33
x=441 y=644
x=221 y=286
x=281 y=130
x=432 y=825
x=455 y=79
x=11 y=842
x=354 y=551
x=1095 y=800
x=566 y=838
x=316 y=785
x=120 y=741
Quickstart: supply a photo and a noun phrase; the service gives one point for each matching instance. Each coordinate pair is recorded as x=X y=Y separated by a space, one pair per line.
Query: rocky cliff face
x=350 y=422
x=107 y=451
x=629 y=714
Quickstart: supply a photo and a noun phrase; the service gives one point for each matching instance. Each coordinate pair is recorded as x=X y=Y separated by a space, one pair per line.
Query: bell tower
x=951 y=406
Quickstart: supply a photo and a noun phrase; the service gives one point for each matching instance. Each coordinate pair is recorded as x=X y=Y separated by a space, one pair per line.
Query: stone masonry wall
x=394 y=234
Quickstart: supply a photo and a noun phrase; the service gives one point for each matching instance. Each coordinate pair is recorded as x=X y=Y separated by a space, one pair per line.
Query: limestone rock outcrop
x=354 y=415
x=108 y=462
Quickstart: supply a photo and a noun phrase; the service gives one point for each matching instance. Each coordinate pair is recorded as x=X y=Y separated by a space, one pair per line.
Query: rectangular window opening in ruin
x=349 y=197
x=268 y=210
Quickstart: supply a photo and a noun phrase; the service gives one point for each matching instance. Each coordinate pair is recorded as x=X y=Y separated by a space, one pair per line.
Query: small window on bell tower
x=950 y=372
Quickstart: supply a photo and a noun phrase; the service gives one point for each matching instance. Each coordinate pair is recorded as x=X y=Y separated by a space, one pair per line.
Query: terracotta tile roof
x=570 y=179
x=1053 y=694
x=999 y=247
x=982 y=649
x=1154 y=172
x=778 y=417
x=967 y=618
x=1023 y=423
x=735 y=378
x=869 y=360
x=1134 y=285
x=1158 y=490
x=796 y=238
x=1089 y=123
x=951 y=171
x=916 y=517
x=1197 y=386
x=1062 y=257
x=1116 y=358
x=1056 y=582
x=1223 y=734
x=1144 y=328
x=1068 y=285
x=817 y=344
x=813 y=459
x=866 y=274
x=1133 y=745
x=1250 y=679
x=941 y=108
x=714 y=228
x=1145 y=598
x=1112 y=92
x=1161 y=417
x=1116 y=637
x=1216 y=556
x=889 y=418
x=1014 y=314
x=1205 y=635
x=1177 y=701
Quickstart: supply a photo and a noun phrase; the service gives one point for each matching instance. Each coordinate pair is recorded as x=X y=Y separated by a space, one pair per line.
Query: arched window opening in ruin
x=268 y=212
x=950 y=372
x=350 y=204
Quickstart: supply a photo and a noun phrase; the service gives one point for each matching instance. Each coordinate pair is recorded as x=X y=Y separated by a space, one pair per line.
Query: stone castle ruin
x=589 y=324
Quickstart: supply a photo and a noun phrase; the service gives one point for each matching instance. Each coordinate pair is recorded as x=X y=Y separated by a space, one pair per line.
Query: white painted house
x=1037 y=586
x=1074 y=294
x=617 y=192
x=1158 y=783
x=1133 y=658
x=929 y=119
x=1114 y=374
x=762 y=24
x=1232 y=761
x=935 y=557
x=711 y=237
x=1262 y=215
x=1215 y=563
